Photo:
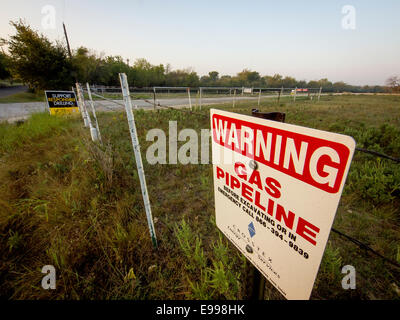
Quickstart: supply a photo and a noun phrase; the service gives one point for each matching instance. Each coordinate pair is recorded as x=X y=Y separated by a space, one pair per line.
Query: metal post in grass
x=82 y=106
x=258 y=282
x=234 y=98
x=94 y=112
x=319 y=94
x=154 y=97
x=93 y=131
x=197 y=98
x=279 y=95
x=201 y=97
x=76 y=96
x=136 y=148
x=190 y=99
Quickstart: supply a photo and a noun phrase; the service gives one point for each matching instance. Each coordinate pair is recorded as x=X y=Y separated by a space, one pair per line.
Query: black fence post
x=257 y=281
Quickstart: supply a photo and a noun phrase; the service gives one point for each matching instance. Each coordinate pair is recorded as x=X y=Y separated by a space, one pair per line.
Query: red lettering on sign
x=318 y=162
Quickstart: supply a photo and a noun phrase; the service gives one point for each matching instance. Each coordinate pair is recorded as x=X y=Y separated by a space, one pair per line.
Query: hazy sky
x=303 y=39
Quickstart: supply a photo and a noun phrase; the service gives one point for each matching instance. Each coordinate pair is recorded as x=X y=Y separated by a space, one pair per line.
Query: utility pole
x=66 y=38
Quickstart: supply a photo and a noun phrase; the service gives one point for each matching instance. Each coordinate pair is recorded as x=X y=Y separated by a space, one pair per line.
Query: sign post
x=277 y=188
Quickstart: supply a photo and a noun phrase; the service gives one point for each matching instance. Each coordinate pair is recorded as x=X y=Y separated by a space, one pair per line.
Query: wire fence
x=232 y=93
x=199 y=96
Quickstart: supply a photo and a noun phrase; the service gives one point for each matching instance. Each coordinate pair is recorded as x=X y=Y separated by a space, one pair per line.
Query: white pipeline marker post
x=138 y=156
x=277 y=188
x=190 y=99
x=94 y=112
x=319 y=94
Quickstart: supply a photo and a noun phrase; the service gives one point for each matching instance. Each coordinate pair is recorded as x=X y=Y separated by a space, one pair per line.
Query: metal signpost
x=277 y=188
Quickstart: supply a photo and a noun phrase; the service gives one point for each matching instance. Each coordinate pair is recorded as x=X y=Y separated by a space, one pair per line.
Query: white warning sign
x=277 y=188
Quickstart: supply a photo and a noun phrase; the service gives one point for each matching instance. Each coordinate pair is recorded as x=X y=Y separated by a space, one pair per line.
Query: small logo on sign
x=249 y=249
x=252 y=230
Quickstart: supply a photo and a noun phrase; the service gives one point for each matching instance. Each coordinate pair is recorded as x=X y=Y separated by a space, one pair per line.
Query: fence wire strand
x=365 y=247
x=377 y=154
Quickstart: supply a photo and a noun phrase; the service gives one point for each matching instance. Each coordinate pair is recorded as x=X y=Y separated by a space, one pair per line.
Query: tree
x=393 y=83
x=4 y=63
x=214 y=75
x=182 y=78
x=340 y=86
x=273 y=82
x=248 y=78
x=89 y=67
x=225 y=81
x=289 y=82
x=38 y=62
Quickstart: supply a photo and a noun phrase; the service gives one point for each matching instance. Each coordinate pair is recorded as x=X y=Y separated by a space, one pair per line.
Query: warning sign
x=61 y=102
x=277 y=189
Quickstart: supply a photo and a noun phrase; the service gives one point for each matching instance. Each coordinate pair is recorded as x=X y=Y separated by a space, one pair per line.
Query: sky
x=302 y=39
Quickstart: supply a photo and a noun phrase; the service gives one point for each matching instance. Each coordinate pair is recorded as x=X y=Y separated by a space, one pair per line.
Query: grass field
x=68 y=202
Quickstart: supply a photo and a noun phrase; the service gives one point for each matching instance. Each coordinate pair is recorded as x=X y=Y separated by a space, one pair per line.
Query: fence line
x=345 y=236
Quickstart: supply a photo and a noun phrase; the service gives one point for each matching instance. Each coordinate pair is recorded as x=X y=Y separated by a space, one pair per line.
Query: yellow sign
x=61 y=102
x=63 y=111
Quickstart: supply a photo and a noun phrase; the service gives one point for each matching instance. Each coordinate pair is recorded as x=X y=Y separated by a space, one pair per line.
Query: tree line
x=34 y=60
